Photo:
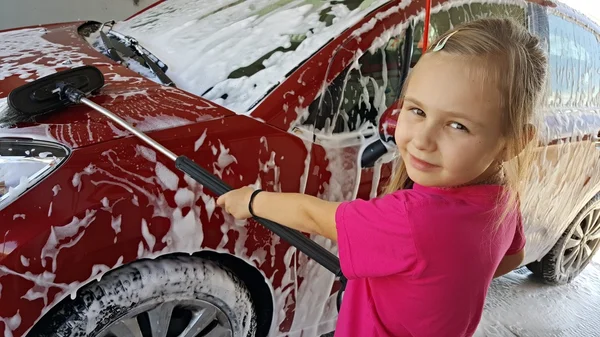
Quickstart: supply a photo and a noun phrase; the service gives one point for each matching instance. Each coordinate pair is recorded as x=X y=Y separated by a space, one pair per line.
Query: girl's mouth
x=421 y=165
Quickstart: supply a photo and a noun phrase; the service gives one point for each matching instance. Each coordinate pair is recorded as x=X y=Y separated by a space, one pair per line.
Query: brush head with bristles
x=10 y=116
x=48 y=94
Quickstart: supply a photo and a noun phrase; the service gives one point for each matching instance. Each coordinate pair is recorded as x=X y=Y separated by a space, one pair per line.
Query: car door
x=341 y=123
x=566 y=173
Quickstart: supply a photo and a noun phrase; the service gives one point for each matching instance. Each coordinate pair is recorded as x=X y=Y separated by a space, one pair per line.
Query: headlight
x=24 y=163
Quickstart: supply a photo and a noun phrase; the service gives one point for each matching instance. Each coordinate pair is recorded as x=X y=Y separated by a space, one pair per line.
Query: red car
x=102 y=236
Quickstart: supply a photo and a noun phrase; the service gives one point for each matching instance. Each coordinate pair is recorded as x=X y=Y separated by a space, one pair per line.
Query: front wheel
x=575 y=248
x=166 y=297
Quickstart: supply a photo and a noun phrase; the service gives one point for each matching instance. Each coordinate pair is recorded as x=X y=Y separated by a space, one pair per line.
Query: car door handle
x=596 y=142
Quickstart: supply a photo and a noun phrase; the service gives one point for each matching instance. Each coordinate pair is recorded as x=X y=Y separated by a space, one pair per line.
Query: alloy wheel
x=191 y=318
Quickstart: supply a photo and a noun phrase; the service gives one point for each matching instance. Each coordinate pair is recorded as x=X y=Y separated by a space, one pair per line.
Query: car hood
x=235 y=52
x=30 y=53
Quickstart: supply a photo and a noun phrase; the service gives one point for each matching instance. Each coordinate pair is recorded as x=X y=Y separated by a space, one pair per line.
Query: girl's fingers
x=221 y=201
x=233 y=202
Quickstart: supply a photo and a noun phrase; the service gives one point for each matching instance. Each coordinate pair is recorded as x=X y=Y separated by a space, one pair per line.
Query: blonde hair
x=516 y=61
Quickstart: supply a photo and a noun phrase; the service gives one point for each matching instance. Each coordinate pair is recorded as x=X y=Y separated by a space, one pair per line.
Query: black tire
x=549 y=268
x=149 y=283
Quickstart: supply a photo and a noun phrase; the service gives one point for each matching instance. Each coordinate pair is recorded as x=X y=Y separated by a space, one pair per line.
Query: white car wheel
x=575 y=248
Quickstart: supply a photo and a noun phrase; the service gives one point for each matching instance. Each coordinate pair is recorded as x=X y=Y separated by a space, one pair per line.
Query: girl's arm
x=510 y=263
x=298 y=211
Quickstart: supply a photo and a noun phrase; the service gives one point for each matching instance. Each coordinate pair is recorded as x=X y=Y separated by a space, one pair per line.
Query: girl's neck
x=491 y=177
x=495 y=177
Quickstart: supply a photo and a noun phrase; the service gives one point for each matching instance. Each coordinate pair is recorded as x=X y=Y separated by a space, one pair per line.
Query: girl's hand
x=235 y=202
x=302 y=212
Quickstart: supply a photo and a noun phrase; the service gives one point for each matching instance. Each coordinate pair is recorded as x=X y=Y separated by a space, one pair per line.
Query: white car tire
x=561 y=265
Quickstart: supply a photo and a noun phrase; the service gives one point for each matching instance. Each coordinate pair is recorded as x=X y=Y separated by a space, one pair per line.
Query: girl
x=420 y=259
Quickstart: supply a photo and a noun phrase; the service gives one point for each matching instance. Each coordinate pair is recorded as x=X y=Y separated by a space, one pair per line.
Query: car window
x=445 y=20
x=574 y=64
x=360 y=92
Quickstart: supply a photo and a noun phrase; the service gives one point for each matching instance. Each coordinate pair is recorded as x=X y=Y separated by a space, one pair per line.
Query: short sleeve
x=518 y=242
x=375 y=237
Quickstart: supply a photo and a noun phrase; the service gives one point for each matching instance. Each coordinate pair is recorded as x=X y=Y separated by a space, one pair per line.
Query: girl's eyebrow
x=452 y=113
x=413 y=100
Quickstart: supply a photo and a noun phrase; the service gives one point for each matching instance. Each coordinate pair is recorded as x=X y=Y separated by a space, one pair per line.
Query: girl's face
x=449 y=129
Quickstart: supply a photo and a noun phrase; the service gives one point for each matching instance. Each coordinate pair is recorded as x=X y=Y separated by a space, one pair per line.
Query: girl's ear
x=504 y=155
x=528 y=135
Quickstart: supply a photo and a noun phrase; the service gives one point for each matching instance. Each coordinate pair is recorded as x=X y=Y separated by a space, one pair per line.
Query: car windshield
x=234 y=52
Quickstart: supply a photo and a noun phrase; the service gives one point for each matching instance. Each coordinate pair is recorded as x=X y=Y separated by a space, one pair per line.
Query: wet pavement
x=520 y=305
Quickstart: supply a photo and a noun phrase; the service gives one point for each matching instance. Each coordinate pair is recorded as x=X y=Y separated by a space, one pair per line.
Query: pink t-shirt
x=419 y=261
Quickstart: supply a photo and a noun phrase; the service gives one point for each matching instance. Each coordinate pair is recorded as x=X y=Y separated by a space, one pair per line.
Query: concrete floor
x=519 y=305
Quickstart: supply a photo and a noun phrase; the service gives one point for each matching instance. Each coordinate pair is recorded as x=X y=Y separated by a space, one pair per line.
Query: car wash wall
x=20 y=13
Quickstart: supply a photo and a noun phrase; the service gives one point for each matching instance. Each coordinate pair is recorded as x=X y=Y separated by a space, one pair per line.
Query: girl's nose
x=425 y=138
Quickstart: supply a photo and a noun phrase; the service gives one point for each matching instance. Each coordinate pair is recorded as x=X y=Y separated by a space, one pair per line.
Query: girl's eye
x=417 y=111
x=459 y=126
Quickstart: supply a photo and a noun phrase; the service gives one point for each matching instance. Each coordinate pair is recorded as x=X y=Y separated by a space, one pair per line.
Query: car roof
x=235 y=52
x=563 y=8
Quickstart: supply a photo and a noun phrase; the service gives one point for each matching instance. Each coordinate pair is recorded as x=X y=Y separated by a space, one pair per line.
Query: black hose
x=294 y=237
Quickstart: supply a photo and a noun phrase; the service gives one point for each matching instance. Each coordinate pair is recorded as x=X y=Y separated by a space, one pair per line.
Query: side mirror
x=387 y=123
x=387 y=128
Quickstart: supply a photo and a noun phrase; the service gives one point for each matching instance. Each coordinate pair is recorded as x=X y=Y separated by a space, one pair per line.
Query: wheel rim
x=583 y=242
x=190 y=318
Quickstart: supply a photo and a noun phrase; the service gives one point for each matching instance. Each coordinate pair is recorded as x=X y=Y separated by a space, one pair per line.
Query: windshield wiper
x=110 y=49
x=118 y=44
